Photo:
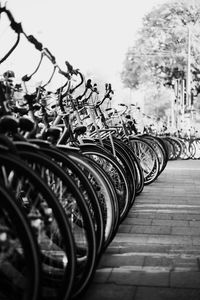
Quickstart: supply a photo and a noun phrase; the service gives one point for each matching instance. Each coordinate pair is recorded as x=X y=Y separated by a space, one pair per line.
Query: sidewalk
x=156 y=252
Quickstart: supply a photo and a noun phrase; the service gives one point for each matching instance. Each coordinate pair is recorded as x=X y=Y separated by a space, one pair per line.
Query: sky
x=93 y=35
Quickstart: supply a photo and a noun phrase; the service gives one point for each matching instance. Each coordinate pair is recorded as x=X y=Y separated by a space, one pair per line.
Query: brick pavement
x=156 y=252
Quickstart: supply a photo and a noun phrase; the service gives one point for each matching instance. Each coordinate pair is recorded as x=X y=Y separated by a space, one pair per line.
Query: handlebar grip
x=64 y=74
x=110 y=88
x=89 y=84
x=17 y=27
x=26 y=78
x=69 y=67
x=95 y=89
x=51 y=56
x=71 y=70
x=35 y=42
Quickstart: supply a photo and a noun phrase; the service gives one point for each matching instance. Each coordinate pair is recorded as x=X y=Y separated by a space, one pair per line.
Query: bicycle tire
x=11 y=164
x=128 y=166
x=84 y=185
x=19 y=252
x=148 y=159
x=87 y=236
x=107 y=161
x=104 y=188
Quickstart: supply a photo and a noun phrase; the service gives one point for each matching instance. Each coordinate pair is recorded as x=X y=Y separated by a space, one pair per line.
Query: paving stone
x=152 y=293
x=193 y=217
x=188 y=249
x=123 y=259
x=185 y=279
x=195 y=241
x=122 y=238
x=131 y=221
x=156 y=253
x=141 y=215
x=145 y=248
x=163 y=216
x=158 y=260
x=186 y=230
x=169 y=239
x=170 y=222
x=151 y=229
x=113 y=248
x=102 y=275
x=123 y=228
x=109 y=292
x=186 y=263
x=151 y=277
x=194 y=223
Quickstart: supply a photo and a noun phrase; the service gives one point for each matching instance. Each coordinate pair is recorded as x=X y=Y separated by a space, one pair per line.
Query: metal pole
x=188 y=69
x=172 y=109
x=183 y=100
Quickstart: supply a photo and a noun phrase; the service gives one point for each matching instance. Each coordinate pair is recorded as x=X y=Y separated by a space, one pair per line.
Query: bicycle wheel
x=20 y=271
x=155 y=142
x=75 y=208
x=185 y=154
x=128 y=166
x=103 y=186
x=176 y=147
x=138 y=170
x=194 y=148
x=115 y=172
x=83 y=184
x=48 y=221
x=147 y=157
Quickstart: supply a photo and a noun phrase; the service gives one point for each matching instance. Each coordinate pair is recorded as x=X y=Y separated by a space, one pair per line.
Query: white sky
x=93 y=35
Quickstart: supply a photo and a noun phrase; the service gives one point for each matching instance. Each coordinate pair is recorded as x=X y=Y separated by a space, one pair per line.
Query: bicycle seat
x=26 y=124
x=53 y=132
x=80 y=130
x=21 y=110
x=9 y=124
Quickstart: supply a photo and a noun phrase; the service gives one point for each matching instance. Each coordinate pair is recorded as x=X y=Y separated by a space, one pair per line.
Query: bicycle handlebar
x=17 y=27
x=126 y=108
x=34 y=41
x=109 y=91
